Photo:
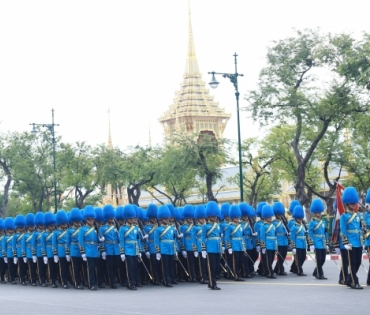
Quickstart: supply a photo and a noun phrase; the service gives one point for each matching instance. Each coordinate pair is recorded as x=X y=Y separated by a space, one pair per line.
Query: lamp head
x=34 y=130
x=214 y=83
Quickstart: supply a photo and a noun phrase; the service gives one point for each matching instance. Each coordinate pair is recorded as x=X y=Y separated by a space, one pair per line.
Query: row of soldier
x=166 y=245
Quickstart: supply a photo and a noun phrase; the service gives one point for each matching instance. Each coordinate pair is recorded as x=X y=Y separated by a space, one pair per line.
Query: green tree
x=316 y=81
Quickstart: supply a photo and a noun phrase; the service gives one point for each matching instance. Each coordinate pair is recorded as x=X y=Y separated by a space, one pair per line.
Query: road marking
x=283 y=283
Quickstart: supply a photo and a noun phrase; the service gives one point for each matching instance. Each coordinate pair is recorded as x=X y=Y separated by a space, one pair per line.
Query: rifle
x=308 y=240
x=251 y=224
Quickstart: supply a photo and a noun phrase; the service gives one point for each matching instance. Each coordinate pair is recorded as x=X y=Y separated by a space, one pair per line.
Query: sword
x=226 y=264
x=142 y=261
x=246 y=254
x=282 y=258
x=177 y=258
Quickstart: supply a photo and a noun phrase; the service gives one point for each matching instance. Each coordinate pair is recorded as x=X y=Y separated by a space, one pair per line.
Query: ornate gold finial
x=110 y=143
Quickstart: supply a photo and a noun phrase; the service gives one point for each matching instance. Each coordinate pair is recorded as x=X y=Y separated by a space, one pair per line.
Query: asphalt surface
x=288 y=294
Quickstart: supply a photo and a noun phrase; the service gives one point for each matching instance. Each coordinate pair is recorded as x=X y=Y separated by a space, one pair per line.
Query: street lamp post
x=51 y=129
x=234 y=80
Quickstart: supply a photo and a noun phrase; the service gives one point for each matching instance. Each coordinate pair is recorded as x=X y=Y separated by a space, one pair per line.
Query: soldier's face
x=189 y=221
x=2 y=232
x=318 y=215
x=10 y=232
x=268 y=220
x=202 y=221
x=212 y=219
x=77 y=224
x=165 y=221
x=152 y=220
x=90 y=221
x=63 y=226
x=30 y=228
x=235 y=220
x=40 y=227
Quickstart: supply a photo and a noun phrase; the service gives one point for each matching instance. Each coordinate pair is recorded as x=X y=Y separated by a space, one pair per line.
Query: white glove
x=263 y=250
x=312 y=248
x=147 y=254
x=348 y=247
x=83 y=256
x=123 y=257
x=139 y=255
x=176 y=254
x=15 y=260
x=56 y=258
x=25 y=260
x=258 y=248
x=68 y=257
x=101 y=238
x=6 y=260
x=204 y=254
x=230 y=250
x=158 y=256
x=45 y=260
x=254 y=234
x=294 y=251
x=145 y=236
x=223 y=250
x=327 y=248
x=104 y=255
x=34 y=258
x=184 y=254
x=180 y=235
x=337 y=251
x=196 y=254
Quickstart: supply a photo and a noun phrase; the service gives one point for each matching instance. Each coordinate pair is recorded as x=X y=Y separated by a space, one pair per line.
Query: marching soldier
x=7 y=245
x=149 y=229
x=234 y=241
x=268 y=241
x=257 y=226
x=111 y=252
x=350 y=230
x=164 y=240
x=27 y=248
x=20 y=223
x=200 y=215
x=2 y=262
x=225 y=207
x=46 y=248
x=291 y=222
x=212 y=244
x=248 y=263
x=298 y=238
x=89 y=239
x=317 y=232
x=282 y=238
x=37 y=247
x=73 y=253
x=59 y=241
x=101 y=266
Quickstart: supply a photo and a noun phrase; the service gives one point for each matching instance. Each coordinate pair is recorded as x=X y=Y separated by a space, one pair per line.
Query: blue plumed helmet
x=172 y=209
x=350 y=195
x=76 y=215
x=1 y=224
x=251 y=212
x=188 y=212
x=152 y=210
x=143 y=215
x=164 y=212
x=212 y=209
x=367 y=199
x=225 y=207
x=89 y=213
x=278 y=208
x=138 y=211
x=99 y=214
x=298 y=212
x=200 y=212
x=317 y=206
x=62 y=217
x=39 y=218
x=49 y=219
x=108 y=212
x=20 y=221
x=234 y=212
x=259 y=208
x=129 y=212
x=119 y=213
x=9 y=223
x=244 y=208
x=293 y=203
x=267 y=212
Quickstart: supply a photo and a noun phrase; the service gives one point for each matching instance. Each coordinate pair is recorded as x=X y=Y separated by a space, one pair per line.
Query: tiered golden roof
x=193 y=109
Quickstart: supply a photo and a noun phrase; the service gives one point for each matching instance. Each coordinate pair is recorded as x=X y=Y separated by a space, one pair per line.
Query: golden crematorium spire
x=193 y=109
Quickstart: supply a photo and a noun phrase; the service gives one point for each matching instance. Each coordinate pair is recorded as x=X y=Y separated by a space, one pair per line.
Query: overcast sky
x=83 y=57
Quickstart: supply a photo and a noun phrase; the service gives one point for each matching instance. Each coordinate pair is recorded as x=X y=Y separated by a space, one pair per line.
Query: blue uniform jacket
x=350 y=229
x=149 y=230
x=318 y=233
x=47 y=244
x=267 y=236
x=211 y=238
x=72 y=243
x=248 y=236
x=164 y=240
x=129 y=240
x=7 y=245
x=111 y=242
x=59 y=241
x=198 y=236
x=17 y=245
x=281 y=233
x=188 y=241
x=257 y=227
x=367 y=223
x=89 y=241
x=298 y=236
x=223 y=226
x=36 y=243
x=27 y=247
x=234 y=237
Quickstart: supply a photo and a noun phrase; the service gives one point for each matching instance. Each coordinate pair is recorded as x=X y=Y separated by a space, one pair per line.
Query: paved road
x=285 y=295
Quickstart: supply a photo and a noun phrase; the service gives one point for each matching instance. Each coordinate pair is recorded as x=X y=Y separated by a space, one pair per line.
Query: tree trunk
x=210 y=196
x=134 y=193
